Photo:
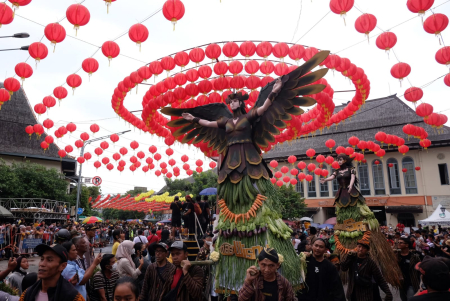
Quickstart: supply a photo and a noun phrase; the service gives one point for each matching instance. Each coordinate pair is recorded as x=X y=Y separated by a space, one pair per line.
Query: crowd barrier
x=22 y=243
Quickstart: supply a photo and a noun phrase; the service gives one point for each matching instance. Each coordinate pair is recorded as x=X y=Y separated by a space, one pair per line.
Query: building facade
x=393 y=195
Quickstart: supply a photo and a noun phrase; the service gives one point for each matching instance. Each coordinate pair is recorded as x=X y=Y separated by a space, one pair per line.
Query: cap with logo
x=178 y=245
x=161 y=245
x=58 y=249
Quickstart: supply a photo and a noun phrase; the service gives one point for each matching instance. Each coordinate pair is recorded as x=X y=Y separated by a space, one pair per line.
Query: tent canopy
x=437 y=218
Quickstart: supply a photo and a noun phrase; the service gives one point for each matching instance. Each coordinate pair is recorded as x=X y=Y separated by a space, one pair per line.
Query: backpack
x=197 y=209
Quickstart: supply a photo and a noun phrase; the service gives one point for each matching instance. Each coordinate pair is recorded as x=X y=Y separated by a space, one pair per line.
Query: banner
x=31 y=243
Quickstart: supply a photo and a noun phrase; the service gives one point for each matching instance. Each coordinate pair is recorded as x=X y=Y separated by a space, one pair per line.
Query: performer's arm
x=202 y=122
x=330 y=178
x=276 y=88
x=352 y=181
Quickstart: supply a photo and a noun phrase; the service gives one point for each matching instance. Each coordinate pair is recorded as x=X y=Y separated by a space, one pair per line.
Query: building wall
x=47 y=163
x=429 y=189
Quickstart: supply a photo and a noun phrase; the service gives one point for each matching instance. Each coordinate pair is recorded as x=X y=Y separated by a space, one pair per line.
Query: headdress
x=239 y=95
x=269 y=253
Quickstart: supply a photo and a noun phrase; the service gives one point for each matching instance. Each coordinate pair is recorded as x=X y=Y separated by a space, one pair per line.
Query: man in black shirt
x=206 y=213
x=176 y=213
x=407 y=262
x=322 y=279
x=436 y=277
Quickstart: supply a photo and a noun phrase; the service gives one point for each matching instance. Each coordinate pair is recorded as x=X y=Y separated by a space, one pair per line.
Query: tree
x=86 y=192
x=177 y=185
x=203 y=180
x=293 y=205
x=121 y=214
x=31 y=180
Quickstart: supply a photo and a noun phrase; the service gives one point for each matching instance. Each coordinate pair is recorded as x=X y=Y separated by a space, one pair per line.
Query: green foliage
x=86 y=192
x=203 y=180
x=121 y=214
x=177 y=185
x=293 y=205
x=31 y=180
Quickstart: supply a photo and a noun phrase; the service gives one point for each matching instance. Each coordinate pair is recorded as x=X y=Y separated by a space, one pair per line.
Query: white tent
x=437 y=218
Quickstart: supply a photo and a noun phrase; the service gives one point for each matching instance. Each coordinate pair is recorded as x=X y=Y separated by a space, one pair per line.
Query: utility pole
x=81 y=166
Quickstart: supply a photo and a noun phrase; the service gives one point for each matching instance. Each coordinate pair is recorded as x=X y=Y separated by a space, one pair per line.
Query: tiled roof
x=388 y=114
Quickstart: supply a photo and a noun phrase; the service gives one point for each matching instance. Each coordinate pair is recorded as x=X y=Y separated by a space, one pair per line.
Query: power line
x=298 y=21
x=314 y=26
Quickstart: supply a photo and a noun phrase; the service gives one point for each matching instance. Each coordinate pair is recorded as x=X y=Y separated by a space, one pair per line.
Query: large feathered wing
x=215 y=137
x=295 y=84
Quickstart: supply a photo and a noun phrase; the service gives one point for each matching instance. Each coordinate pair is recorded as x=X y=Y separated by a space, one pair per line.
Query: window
x=378 y=179
x=393 y=177
x=443 y=174
x=312 y=186
x=364 y=184
x=299 y=186
x=335 y=185
x=324 y=191
x=409 y=175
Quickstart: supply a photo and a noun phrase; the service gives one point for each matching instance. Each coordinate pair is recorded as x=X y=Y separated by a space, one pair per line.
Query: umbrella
x=323 y=226
x=134 y=221
x=165 y=221
x=209 y=191
x=303 y=219
x=5 y=212
x=331 y=221
x=91 y=220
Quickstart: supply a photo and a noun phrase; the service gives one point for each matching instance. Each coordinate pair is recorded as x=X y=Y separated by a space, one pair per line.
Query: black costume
x=343 y=197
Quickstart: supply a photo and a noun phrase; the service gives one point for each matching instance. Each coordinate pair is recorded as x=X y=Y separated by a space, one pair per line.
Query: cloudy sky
x=310 y=23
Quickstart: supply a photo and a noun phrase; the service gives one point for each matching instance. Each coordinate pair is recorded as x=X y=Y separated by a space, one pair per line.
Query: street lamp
x=20 y=35
x=21 y=48
x=81 y=166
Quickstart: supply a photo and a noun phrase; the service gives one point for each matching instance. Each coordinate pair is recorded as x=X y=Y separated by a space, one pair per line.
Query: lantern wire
x=314 y=26
x=298 y=21
x=145 y=19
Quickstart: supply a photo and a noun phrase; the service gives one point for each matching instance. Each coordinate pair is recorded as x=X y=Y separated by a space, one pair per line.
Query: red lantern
x=169 y=152
x=6 y=14
x=381 y=137
x=134 y=145
x=341 y=7
x=213 y=51
x=199 y=169
x=280 y=50
x=138 y=33
x=400 y=71
x=79 y=143
x=12 y=85
x=293 y=182
x=413 y=94
x=94 y=128
x=386 y=41
x=62 y=153
x=97 y=164
x=230 y=50
x=286 y=179
x=292 y=159
x=48 y=123
x=309 y=178
x=365 y=24
x=301 y=165
x=424 y=110
x=310 y=153
x=110 y=167
x=294 y=171
x=55 y=33
x=29 y=130
x=144 y=73
x=404 y=169
x=301 y=176
x=196 y=55
x=349 y=151
x=403 y=149
x=212 y=164
x=71 y=127
x=199 y=162
x=84 y=136
x=273 y=164
x=220 y=68
x=425 y=143
x=111 y=50
x=247 y=49
x=157 y=157
x=353 y=141
x=284 y=169
x=60 y=93
x=23 y=70
x=362 y=145
x=330 y=143
x=391 y=165
x=435 y=24
x=181 y=59
x=49 y=102
x=443 y=56
x=278 y=174
x=296 y=52
x=311 y=167
x=44 y=145
x=264 y=49
x=38 y=51
x=380 y=153
x=74 y=81
x=90 y=65
x=419 y=6
x=114 y=138
x=81 y=160
x=62 y=131
x=49 y=139
x=417 y=168
x=335 y=165
x=78 y=15
x=98 y=151
x=184 y=158
x=324 y=173
x=340 y=150
x=173 y=10
x=447 y=80
x=320 y=159
x=329 y=160
x=116 y=156
x=38 y=108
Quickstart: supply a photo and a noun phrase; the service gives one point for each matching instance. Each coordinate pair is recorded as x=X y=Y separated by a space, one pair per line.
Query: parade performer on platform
x=355 y=221
x=250 y=217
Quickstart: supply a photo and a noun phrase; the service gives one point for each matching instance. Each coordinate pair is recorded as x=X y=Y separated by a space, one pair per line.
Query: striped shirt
x=101 y=282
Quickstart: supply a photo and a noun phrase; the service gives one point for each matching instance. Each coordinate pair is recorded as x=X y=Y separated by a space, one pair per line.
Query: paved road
x=34 y=261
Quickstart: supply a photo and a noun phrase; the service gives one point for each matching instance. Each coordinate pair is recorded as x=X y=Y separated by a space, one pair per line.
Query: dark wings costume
x=243 y=174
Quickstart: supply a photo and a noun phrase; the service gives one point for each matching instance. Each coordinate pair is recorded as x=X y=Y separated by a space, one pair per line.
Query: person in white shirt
x=296 y=241
x=141 y=238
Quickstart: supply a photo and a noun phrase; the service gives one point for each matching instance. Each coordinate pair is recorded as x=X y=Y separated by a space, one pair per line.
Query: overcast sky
x=207 y=21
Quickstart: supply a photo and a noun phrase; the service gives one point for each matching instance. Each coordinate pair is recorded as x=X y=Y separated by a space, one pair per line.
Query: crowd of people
x=150 y=263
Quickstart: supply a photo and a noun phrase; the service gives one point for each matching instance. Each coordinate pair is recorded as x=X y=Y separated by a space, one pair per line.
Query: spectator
x=140 y=252
x=29 y=280
x=126 y=289
x=152 y=240
x=407 y=262
x=90 y=234
x=176 y=208
x=165 y=236
x=104 y=281
x=206 y=213
x=420 y=243
x=81 y=247
x=296 y=241
x=118 y=236
x=146 y=232
x=435 y=277
x=204 y=251
x=322 y=279
x=190 y=215
x=361 y=271
x=446 y=249
x=75 y=274
x=12 y=264
x=158 y=233
x=266 y=283
x=141 y=238
x=157 y=274
x=185 y=283
x=125 y=265
x=304 y=246
x=16 y=278
x=51 y=285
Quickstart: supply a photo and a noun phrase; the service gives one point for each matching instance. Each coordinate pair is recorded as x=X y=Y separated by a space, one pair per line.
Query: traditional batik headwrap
x=269 y=253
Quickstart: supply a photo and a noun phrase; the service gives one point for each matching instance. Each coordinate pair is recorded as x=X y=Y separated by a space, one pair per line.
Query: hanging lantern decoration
x=38 y=51
x=199 y=169
x=212 y=164
x=424 y=110
x=12 y=85
x=213 y=51
x=264 y=49
x=230 y=50
x=169 y=152
x=78 y=15
x=376 y=162
x=68 y=149
x=29 y=129
x=111 y=50
x=134 y=145
x=390 y=165
x=81 y=160
x=273 y=164
x=349 y=151
x=4 y=96
x=62 y=153
x=184 y=158
x=23 y=70
x=400 y=71
x=419 y=6
x=386 y=41
x=6 y=14
x=94 y=128
x=443 y=56
x=278 y=174
x=48 y=124
x=90 y=65
x=97 y=164
x=417 y=168
x=341 y=7
x=365 y=24
x=84 y=136
x=311 y=167
x=173 y=10
x=138 y=33
x=310 y=153
x=280 y=50
x=79 y=143
x=38 y=108
x=403 y=149
x=55 y=33
x=49 y=102
x=380 y=153
x=425 y=143
x=292 y=159
x=74 y=81
x=330 y=143
x=301 y=165
x=116 y=156
x=114 y=138
x=44 y=145
x=404 y=170
x=60 y=93
x=340 y=150
x=413 y=94
x=284 y=169
x=71 y=127
x=353 y=141
x=435 y=24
